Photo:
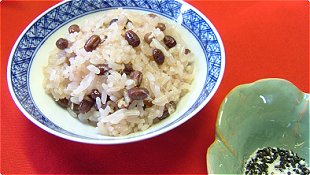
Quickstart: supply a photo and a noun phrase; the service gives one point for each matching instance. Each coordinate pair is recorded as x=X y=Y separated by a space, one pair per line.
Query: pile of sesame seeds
x=273 y=160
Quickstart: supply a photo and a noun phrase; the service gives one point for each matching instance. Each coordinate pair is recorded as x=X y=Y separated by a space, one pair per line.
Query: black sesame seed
x=265 y=156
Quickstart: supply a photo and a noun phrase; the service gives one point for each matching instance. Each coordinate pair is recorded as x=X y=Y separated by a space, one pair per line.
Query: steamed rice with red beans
x=122 y=71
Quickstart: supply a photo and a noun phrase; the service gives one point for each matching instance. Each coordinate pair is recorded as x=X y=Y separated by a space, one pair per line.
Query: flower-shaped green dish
x=266 y=113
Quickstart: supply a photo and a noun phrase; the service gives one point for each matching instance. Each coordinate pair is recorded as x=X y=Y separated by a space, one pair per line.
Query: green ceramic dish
x=266 y=113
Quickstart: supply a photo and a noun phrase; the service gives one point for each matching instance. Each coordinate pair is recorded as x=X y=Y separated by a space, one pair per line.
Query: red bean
x=152 y=15
x=147 y=38
x=147 y=103
x=85 y=106
x=161 y=26
x=63 y=102
x=103 y=68
x=132 y=38
x=158 y=56
x=164 y=115
x=137 y=93
x=137 y=76
x=74 y=28
x=187 y=51
x=169 y=41
x=92 y=43
x=128 y=69
x=74 y=107
x=168 y=110
x=62 y=43
x=94 y=94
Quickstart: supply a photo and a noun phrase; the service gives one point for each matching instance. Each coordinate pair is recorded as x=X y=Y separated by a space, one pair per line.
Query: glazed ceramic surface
x=30 y=54
x=266 y=113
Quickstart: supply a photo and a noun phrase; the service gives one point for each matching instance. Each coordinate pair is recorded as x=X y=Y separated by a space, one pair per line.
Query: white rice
x=72 y=73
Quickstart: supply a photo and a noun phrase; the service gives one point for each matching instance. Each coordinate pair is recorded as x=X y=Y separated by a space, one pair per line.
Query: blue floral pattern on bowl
x=45 y=25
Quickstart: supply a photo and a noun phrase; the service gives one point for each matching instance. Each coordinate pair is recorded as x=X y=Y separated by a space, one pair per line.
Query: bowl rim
x=114 y=141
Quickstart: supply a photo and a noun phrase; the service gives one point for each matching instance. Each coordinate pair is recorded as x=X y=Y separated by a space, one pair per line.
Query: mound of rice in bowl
x=122 y=71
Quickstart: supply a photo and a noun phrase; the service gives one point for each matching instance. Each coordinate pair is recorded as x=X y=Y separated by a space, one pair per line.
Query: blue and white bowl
x=30 y=53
